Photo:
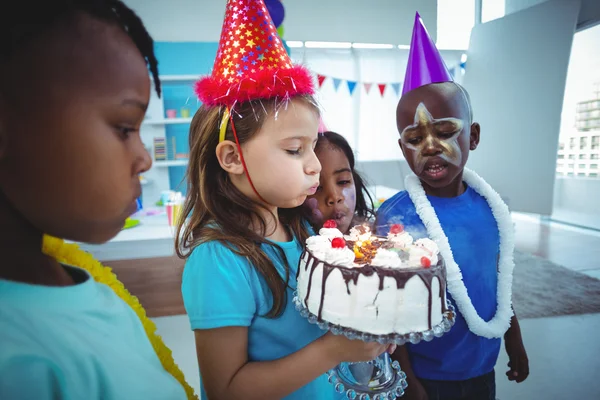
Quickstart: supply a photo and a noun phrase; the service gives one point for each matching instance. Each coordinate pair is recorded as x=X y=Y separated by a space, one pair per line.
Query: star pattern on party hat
x=251 y=61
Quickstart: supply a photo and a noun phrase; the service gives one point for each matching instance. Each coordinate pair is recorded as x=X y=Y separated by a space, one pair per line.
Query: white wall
x=365 y=21
x=516 y=75
x=589 y=13
x=576 y=201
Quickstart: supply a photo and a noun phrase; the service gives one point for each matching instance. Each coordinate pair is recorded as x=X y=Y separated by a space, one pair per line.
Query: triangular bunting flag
x=368 y=87
x=321 y=79
x=396 y=87
x=351 y=86
x=381 y=88
x=336 y=83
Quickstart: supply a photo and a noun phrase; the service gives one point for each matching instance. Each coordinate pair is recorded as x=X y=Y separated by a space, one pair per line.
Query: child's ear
x=475 y=133
x=229 y=157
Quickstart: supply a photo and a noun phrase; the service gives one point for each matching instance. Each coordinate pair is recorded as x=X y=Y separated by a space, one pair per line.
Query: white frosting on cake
x=424 y=248
x=320 y=247
x=388 y=259
x=330 y=233
x=400 y=240
x=356 y=235
x=396 y=294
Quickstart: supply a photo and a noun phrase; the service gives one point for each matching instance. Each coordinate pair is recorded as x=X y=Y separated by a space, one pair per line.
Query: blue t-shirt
x=221 y=289
x=76 y=342
x=472 y=231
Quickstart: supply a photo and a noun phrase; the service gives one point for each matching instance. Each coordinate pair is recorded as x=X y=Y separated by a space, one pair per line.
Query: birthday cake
x=390 y=285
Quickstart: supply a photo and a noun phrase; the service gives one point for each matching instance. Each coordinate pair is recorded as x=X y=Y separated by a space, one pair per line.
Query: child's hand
x=342 y=349
x=314 y=215
x=517 y=356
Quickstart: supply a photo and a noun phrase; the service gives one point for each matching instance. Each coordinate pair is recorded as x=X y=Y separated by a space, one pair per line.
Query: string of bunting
x=337 y=82
x=396 y=86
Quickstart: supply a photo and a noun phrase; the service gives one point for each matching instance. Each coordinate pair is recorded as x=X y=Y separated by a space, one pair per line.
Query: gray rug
x=544 y=289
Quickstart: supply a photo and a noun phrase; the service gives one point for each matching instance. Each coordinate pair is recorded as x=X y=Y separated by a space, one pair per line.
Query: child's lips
x=436 y=171
x=338 y=217
x=313 y=189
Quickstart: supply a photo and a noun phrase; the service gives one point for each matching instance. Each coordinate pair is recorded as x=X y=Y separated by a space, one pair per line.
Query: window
x=492 y=9
x=581 y=174
x=455 y=19
x=593 y=175
x=571 y=166
x=583 y=156
x=572 y=143
x=595 y=142
x=571 y=156
x=569 y=174
x=583 y=142
x=593 y=166
x=561 y=146
x=561 y=156
x=581 y=166
x=594 y=156
x=559 y=165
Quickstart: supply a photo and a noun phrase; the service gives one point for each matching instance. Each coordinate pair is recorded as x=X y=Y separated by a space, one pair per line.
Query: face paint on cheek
x=452 y=153
x=430 y=144
x=350 y=198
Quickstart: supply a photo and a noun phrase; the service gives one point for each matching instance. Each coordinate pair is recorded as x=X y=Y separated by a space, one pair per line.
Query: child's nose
x=432 y=148
x=335 y=197
x=313 y=166
x=143 y=160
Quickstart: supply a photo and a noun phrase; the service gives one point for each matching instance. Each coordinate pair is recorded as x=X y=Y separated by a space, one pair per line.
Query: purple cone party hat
x=425 y=64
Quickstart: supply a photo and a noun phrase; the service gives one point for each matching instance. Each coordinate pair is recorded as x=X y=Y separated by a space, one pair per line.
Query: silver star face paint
x=427 y=134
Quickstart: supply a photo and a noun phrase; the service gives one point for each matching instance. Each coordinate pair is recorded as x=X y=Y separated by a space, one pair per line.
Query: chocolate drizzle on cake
x=400 y=275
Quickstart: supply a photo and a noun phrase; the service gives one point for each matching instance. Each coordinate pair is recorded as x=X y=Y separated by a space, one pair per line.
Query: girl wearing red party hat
x=252 y=165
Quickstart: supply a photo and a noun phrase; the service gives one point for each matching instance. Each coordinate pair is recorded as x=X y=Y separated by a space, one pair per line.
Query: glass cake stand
x=381 y=378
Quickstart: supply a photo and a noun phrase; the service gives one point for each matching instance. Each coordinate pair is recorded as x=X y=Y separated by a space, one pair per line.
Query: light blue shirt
x=76 y=342
x=223 y=289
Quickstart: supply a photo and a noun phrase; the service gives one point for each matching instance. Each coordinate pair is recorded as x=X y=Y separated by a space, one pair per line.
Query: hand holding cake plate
x=390 y=290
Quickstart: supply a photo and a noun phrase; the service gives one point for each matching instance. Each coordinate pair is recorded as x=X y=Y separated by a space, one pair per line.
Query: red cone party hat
x=251 y=61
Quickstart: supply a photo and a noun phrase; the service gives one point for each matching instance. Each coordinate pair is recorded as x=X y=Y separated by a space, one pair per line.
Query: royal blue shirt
x=221 y=288
x=472 y=231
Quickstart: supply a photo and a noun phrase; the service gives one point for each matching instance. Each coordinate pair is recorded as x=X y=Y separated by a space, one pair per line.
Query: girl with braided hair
x=74 y=88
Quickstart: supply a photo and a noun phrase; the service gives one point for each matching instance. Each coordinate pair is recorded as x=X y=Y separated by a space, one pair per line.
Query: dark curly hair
x=22 y=22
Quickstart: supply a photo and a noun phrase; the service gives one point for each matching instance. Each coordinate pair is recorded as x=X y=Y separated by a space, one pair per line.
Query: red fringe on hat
x=265 y=84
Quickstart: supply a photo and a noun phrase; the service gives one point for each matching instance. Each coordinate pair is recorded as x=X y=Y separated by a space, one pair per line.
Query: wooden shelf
x=168 y=121
x=170 y=163
x=178 y=78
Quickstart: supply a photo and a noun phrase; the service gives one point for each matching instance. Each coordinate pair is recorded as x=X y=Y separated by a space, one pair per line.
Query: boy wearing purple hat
x=470 y=223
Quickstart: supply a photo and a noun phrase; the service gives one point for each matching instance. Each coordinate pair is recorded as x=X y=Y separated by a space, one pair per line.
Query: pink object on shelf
x=171 y=113
x=173 y=213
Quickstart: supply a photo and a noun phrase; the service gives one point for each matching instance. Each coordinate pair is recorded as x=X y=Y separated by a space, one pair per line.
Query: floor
x=564 y=352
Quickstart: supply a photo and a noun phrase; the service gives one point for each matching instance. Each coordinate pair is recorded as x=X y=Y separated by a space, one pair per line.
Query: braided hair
x=21 y=23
